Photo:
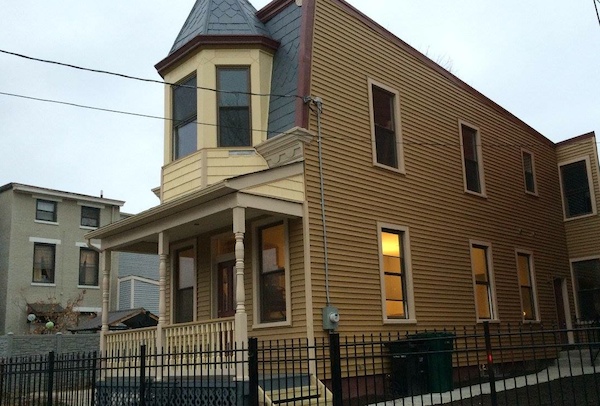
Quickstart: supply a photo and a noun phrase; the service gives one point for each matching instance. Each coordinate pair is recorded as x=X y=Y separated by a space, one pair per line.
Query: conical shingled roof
x=220 y=17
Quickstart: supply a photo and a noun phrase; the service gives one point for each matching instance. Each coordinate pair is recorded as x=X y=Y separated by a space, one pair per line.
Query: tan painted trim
x=579 y=138
x=310 y=324
x=535 y=182
x=480 y=165
x=266 y=176
x=588 y=166
x=397 y=126
x=492 y=280
x=573 y=284
x=305 y=61
x=532 y=277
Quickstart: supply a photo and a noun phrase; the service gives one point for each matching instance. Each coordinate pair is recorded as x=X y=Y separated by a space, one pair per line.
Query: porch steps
x=297 y=391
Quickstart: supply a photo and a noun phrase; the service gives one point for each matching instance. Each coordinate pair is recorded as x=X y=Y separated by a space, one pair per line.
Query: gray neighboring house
x=138 y=281
x=43 y=253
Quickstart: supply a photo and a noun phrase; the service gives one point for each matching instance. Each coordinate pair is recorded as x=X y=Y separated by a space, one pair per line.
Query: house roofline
x=272 y=9
x=581 y=137
x=20 y=187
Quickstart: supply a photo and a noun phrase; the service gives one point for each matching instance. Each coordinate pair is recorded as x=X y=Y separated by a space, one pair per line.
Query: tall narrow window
x=43 y=263
x=184 y=280
x=45 y=210
x=577 y=196
x=484 y=299
x=272 y=284
x=586 y=276
x=88 y=267
x=384 y=122
x=526 y=286
x=90 y=216
x=233 y=86
x=529 y=172
x=394 y=271
x=185 y=111
x=471 y=151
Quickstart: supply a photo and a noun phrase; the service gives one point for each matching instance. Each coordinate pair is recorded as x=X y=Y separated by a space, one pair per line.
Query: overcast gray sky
x=538 y=59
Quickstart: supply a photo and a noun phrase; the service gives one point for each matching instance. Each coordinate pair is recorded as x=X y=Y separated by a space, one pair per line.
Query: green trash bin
x=437 y=348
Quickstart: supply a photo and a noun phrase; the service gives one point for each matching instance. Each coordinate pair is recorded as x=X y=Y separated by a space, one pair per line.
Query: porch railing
x=208 y=336
x=125 y=343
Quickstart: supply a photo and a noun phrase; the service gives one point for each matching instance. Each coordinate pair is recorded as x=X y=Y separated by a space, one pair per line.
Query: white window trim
x=409 y=294
x=397 y=127
x=50 y=223
x=40 y=284
x=490 y=264
x=588 y=166
x=49 y=198
x=93 y=205
x=44 y=240
x=535 y=183
x=479 y=159
x=214 y=266
x=573 y=284
x=256 y=324
x=533 y=283
x=172 y=250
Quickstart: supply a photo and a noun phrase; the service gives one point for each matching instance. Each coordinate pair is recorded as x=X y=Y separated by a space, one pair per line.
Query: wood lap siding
x=430 y=198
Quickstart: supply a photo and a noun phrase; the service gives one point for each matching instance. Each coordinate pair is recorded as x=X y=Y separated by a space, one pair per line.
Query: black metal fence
x=478 y=365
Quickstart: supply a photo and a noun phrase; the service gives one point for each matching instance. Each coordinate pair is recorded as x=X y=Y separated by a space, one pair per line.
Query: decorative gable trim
x=285 y=148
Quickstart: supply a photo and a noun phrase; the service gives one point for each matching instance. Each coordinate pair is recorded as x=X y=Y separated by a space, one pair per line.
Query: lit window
x=184 y=118
x=88 y=267
x=394 y=274
x=473 y=167
x=90 y=216
x=586 y=276
x=233 y=86
x=484 y=299
x=575 y=182
x=526 y=286
x=272 y=273
x=43 y=263
x=45 y=210
x=529 y=172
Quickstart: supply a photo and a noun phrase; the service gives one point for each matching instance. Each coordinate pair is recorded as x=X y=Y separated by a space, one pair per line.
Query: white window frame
x=214 y=266
x=574 y=285
x=535 y=183
x=256 y=322
x=397 y=126
x=532 y=278
x=479 y=151
x=409 y=294
x=492 y=283
x=173 y=250
x=588 y=166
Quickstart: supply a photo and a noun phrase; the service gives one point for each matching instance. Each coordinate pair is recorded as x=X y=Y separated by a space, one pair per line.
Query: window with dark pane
x=526 y=286
x=45 y=210
x=272 y=287
x=385 y=127
x=394 y=272
x=184 y=280
x=88 y=267
x=483 y=287
x=471 y=158
x=90 y=216
x=587 y=287
x=576 y=189
x=528 y=172
x=233 y=84
x=184 y=118
x=43 y=263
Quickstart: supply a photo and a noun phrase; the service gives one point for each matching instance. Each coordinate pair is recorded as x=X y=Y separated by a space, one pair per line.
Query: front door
x=225 y=290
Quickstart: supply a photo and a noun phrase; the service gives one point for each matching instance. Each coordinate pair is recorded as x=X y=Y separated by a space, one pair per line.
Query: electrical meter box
x=331 y=318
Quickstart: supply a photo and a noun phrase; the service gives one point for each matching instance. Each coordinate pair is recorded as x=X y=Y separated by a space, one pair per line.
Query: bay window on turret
x=184 y=118
x=233 y=85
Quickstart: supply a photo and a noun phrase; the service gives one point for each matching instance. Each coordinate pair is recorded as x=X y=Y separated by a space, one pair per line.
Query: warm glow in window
x=394 y=275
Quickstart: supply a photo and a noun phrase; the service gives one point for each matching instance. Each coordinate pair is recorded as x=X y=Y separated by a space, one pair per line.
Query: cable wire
x=122 y=75
x=596 y=7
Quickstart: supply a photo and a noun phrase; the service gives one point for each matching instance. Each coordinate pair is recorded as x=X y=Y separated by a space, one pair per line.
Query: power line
x=596 y=7
x=125 y=76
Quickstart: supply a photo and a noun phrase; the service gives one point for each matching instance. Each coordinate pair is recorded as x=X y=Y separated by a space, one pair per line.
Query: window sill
x=50 y=223
x=389 y=168
x=534 y=194
x=95 y=287
x=491 y=321
x=583 y=216
x=269 y=325
x=399 y=321
x=480 y=195
x=88 y=228
x=532 y=322
x=42 y=284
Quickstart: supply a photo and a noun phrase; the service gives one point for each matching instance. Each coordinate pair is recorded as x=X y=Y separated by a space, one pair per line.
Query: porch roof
x=199 y=211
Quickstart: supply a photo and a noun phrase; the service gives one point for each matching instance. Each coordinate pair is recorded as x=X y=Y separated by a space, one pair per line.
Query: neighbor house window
x=233 y=87
x=586 y=278
x=577 y=190
x=482 y=278
x=43 y=262
x=385 y=122
x=90 y=216
x=45 y=210
x=529 y=172
x=184 y=118
x=472 y=162
x=88 y=267
x=394 y=269
x=272 y=273
x=526 y=286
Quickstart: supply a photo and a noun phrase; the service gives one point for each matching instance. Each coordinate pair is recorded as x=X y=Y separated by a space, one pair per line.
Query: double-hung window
x=586 y=278
x=483 y=281
x=385 y=127
x=88 y=267
x=529 y=172
x=578 y=197
x=233 y=85
x=472 y=162
x=90 y=216
x=526 y=286
x=184 y=118
x=272 y=263
x=45 y=210
x=43 y=263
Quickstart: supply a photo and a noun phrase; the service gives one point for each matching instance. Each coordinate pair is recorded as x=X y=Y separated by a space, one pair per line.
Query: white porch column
x=163 y=252
x=105 y=261
x=241 y=317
